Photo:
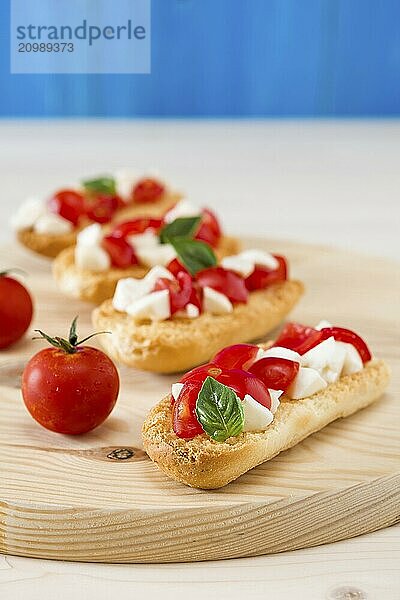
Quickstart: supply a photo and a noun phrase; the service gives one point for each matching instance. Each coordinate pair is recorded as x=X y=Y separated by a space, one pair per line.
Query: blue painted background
x=235 y=58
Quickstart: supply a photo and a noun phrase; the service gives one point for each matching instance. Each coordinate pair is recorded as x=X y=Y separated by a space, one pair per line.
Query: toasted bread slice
x=90 y=286
x=179 y=343
x=96 y=287
x=206 y=464
x=45 y=244
x=52 y=245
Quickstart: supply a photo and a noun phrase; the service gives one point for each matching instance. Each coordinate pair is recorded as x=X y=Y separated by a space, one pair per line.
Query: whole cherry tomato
x=276 y=373
x=69 y=204
x=180 y=290
x=262 y=277
x=136 y=226
x=102 y=208
x=346 y=335
x=121 y=252
x=16 y=310
x=185 y=422
x=147 y=190
x=209 y=230
x=238 y=356
x=70 y=388
x=225 y=281
x=299 y=338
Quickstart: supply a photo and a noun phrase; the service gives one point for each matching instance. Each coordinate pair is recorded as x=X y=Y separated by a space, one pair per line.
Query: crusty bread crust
x=96 y=287
x=90 y=286
x=151 y=209
x=206 y=464
x=180 y=344
x=44 y=244
x=52 y=245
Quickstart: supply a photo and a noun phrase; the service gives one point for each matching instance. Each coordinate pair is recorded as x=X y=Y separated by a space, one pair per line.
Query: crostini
x=252 y=402
x=49 y=225
x=101 y=257
x=179 y=316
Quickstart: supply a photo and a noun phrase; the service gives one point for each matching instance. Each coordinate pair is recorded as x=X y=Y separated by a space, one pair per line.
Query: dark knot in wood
x=121 y=454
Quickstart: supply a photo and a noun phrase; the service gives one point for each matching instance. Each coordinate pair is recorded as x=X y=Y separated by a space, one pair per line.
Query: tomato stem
x=12 y=270
x=71 y=344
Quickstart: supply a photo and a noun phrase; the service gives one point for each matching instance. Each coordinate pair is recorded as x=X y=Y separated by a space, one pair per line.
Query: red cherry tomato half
x=180 y=290
x=209 y=230
x=121 y=253
x=238 y=356
x=243 y=382
x=69 y=204
x=298 y=337
x=346 y=335
x=102 y=208
x=176 y=267
x=240 y=381
x=195 y=298
x=184 y=418
x=201 y=372
x=70 y=393
x=136 y=226
x=262 y=277
x=147 y=191
x=16 y=310
x=276 y=373
x=225 y=281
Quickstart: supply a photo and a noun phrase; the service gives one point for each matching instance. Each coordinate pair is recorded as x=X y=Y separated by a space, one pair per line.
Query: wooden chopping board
x=98 y=498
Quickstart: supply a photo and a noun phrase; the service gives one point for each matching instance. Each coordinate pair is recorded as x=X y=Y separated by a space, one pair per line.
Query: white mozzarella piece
x=184 y=208
x=275 y=395
x=352 y=361
x=28 y=213
x=256 y=416
x=306 y=383
x=259 y=257
x=92 y=258
x=154 y=306
x=190 y=312
x=52 y=224
x=327 y=358
x=238 y=264
x=90 y=236
x=161 y=254
x=130 y=289
x=145 y=240
x=279 y=352
x=127 y=291
x=215 y=302
x=176 y=389
x=322 y=325
x=124 y=183
x=157 y=272
x=245 y=262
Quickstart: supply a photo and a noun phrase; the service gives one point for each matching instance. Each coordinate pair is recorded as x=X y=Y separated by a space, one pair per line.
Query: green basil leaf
x=183 y=227
x=193 y=254
x=219 y=410
x=102 y=185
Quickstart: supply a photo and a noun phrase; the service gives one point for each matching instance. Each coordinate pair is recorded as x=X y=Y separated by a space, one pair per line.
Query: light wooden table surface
x=333 y=182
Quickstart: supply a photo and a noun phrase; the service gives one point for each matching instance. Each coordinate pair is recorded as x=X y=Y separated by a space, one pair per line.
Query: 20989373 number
x=46 y=47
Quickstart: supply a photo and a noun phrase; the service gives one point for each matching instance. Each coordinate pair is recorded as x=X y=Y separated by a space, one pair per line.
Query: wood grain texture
x=80 y=499
x=368 y=564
